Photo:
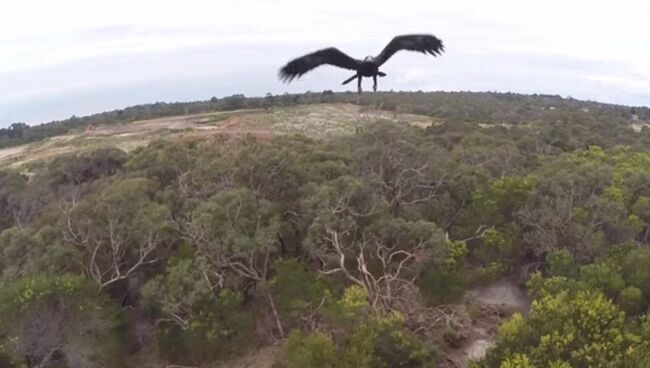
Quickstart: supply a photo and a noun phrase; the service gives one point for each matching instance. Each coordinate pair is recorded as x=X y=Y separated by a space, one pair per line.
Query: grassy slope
x=323 y=120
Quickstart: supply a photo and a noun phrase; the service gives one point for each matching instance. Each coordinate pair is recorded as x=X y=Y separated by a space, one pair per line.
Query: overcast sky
x=65 y=57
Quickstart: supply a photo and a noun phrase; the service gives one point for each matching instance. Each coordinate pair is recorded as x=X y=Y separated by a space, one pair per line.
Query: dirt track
x=504 y=296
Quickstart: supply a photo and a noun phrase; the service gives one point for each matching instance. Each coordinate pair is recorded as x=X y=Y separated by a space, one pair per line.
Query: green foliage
x=370 y=340
x=49 y=321
x=237 y=221
x=206 y=239
x=539 y=285
x=641 y=207
x=117 y=229
x=602 y=276
x=350 y=308
x=297 y=292
x=11 y=186
x=517 y=361
x=304 y=350
x=196 y=321
x=561 y=263
x=635 y=268
x=631 y=300
x=182 y=288
x=496 y=251
x=77 y=169
x=23 y=253
x=510 y=193
x=383 y=342
x=489 y=273
x=161 y=161
x=336 y=205
x=566 y=330
x=445 y=283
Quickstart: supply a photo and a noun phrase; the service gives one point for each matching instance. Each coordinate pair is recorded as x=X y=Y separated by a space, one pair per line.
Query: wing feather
x=332 y=56
x=426 y=44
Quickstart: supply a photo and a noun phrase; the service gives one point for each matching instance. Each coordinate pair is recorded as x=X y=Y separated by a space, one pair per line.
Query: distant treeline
x=483 y=107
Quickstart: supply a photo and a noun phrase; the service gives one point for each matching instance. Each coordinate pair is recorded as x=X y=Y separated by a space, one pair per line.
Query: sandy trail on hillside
x=10 y=152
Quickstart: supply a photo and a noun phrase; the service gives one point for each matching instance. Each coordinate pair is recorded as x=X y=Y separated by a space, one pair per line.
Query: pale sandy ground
x=10 y=152
x=504 y=295
x=322 y=120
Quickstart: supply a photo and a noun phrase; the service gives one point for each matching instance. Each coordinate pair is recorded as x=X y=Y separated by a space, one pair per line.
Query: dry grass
x=318 y=121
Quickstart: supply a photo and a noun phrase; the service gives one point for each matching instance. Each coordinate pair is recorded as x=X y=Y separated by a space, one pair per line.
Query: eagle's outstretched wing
x=422 y=43
x=332 y=56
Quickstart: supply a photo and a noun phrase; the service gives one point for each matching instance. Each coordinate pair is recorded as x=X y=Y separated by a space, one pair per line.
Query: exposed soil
x=127 y=136
x=495 y=302
x=504 y=294
x=319 y=121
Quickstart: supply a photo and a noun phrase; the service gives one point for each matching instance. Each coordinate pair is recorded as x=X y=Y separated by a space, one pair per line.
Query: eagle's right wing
x=332 y=56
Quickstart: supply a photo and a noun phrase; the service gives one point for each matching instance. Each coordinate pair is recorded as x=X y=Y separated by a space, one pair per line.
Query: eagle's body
x=368 y=67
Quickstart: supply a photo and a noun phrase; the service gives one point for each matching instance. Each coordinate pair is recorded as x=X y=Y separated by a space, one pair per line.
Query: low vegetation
x=346 y=250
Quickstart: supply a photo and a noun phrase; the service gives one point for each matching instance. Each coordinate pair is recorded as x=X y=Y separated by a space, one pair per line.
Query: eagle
x=368 y=67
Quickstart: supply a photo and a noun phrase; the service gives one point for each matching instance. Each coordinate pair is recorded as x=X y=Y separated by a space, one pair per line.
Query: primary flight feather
x=369 y=67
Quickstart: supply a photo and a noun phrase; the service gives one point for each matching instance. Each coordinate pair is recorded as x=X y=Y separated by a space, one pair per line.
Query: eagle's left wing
x=421 y=43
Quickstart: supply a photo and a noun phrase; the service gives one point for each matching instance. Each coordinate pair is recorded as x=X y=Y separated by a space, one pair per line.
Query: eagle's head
x=369 y=59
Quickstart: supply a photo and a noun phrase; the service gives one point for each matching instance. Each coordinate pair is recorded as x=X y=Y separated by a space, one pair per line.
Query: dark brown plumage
x=369 y=67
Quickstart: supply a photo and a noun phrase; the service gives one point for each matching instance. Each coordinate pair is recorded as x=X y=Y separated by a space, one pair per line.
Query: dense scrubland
x=348 y=250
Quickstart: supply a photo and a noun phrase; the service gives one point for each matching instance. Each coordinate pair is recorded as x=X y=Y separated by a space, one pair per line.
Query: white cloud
x=632 y=83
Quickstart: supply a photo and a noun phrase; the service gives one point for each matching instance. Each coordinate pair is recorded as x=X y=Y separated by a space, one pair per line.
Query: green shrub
x=297 y=292
x=446 y=282
x=631 y=300
x=561 y=263
x=441 y=286
x=385 y=342
x=581 y=329
x=308 y=350
x=489 y=273
x=59 y=321
x=604 y=277
x=197 y=324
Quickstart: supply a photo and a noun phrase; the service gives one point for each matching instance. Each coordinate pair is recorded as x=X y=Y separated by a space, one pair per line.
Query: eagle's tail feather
x=349 y=80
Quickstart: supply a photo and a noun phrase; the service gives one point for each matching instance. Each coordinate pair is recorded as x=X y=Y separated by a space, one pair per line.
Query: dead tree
x=111 y=252
x=390 y=274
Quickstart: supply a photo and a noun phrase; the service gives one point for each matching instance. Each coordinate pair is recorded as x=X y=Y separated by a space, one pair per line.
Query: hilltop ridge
x=507 y=108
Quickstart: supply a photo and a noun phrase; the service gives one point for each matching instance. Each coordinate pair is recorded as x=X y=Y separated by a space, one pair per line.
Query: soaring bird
x=368 y=67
